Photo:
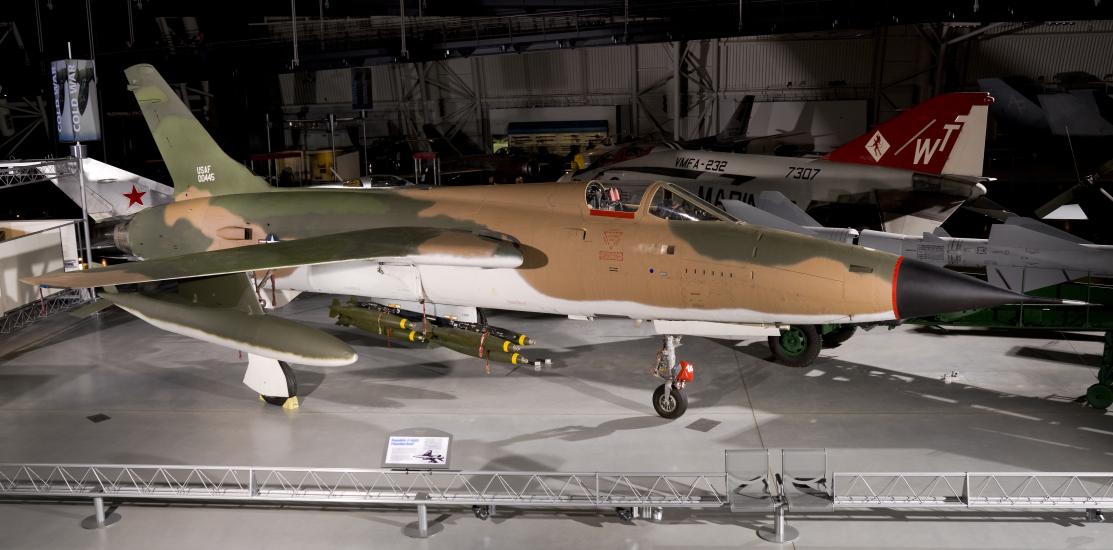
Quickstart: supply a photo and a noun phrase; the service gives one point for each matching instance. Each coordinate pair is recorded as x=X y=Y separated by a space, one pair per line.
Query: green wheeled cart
x=1095 y=316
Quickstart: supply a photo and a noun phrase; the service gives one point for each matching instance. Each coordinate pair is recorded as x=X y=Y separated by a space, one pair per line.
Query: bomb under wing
x=470 y=339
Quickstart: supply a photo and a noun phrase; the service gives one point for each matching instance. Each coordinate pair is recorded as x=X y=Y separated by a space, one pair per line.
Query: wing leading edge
x=411 y=245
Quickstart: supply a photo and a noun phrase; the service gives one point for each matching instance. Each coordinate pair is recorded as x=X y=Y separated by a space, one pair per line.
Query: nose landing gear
x=669 y=399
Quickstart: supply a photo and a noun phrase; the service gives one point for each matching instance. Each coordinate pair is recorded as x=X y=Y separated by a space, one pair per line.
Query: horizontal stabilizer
x=756 y=216
x=1066 y=212
x=410 y=245
x=779 y=205
x=263 y=335
x=110 y=192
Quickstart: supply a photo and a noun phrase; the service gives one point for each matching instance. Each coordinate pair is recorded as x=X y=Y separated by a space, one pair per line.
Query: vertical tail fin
x=740 y=120
x=943 y=135
x=196 y=163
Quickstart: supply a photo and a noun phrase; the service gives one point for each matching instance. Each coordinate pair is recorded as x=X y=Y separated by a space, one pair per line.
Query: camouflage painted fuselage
x=577 y=261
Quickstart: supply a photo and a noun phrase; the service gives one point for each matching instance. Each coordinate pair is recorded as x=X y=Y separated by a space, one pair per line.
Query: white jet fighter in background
x=914 y=170
x=1021 y=254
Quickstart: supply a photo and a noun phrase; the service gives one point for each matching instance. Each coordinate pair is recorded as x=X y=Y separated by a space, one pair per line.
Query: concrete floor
x=878 y=402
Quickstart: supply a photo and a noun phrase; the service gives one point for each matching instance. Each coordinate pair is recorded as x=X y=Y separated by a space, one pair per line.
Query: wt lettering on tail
x=944 y=135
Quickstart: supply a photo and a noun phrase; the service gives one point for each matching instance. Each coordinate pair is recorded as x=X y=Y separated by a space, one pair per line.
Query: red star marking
x=135 y=197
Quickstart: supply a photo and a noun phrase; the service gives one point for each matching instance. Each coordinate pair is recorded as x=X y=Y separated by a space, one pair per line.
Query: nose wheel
x=669 y=399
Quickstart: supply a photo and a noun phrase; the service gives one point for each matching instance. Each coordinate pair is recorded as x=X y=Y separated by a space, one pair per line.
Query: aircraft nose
x=921 y=289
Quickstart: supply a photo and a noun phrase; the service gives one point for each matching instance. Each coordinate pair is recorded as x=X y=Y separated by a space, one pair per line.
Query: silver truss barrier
x=1080 y=491
x=975 y=490
x=625 y=493
x=32 y=312
x=372 y=487
x=16 y=173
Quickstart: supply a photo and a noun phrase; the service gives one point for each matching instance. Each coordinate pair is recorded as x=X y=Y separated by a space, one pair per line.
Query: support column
x=780 y=532
x=674 y=97
x=294 y=28
x=99 y=520
x=635 y=104
x=483 y=120
x=421 y=528
x=880 y=34
x=423 y=90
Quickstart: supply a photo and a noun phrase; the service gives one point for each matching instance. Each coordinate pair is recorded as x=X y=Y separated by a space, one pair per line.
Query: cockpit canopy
x=667 y=201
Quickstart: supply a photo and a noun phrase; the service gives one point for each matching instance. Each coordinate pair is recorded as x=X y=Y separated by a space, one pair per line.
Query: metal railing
x=16 y=173
x=358 y=486
x=38 y=310
x=800 y=487
x=1019 y=490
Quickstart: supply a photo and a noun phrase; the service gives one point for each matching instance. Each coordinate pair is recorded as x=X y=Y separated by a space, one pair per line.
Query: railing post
x=252 y=489
x=966 y=489
x=780 y=532
x=99 y=520
x=421 y=528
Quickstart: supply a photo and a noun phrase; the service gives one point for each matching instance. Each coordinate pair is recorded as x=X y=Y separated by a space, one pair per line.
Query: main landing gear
x=669 y=399
x=799 y=345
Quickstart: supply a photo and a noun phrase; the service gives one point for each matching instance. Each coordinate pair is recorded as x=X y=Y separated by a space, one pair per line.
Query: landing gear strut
x=273 y=380
x=1100 y=395
x=835 y=335
x=669 y=399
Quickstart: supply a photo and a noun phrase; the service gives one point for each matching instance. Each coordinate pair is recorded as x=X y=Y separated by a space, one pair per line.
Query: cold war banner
x=75 y=100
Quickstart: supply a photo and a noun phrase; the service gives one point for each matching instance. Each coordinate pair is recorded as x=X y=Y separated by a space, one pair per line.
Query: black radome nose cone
x=922 y=289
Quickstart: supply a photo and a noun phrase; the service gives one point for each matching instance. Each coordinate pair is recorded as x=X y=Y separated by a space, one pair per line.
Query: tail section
x=943 y=135
x=117 y=192
x=196 y=163
x=1013 y=106
x=739 y=121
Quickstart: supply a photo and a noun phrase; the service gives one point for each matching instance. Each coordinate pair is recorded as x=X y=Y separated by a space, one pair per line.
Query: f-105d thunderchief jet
x=567 y=249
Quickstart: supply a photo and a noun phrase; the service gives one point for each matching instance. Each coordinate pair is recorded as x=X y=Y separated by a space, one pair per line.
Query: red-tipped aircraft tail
x=943 y=135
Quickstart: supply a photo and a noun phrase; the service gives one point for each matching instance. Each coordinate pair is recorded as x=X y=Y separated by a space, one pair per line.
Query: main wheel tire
x=291 y=386
x=1099 y=396
x=669 y=406
x=797 y=346
x=840 y=334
